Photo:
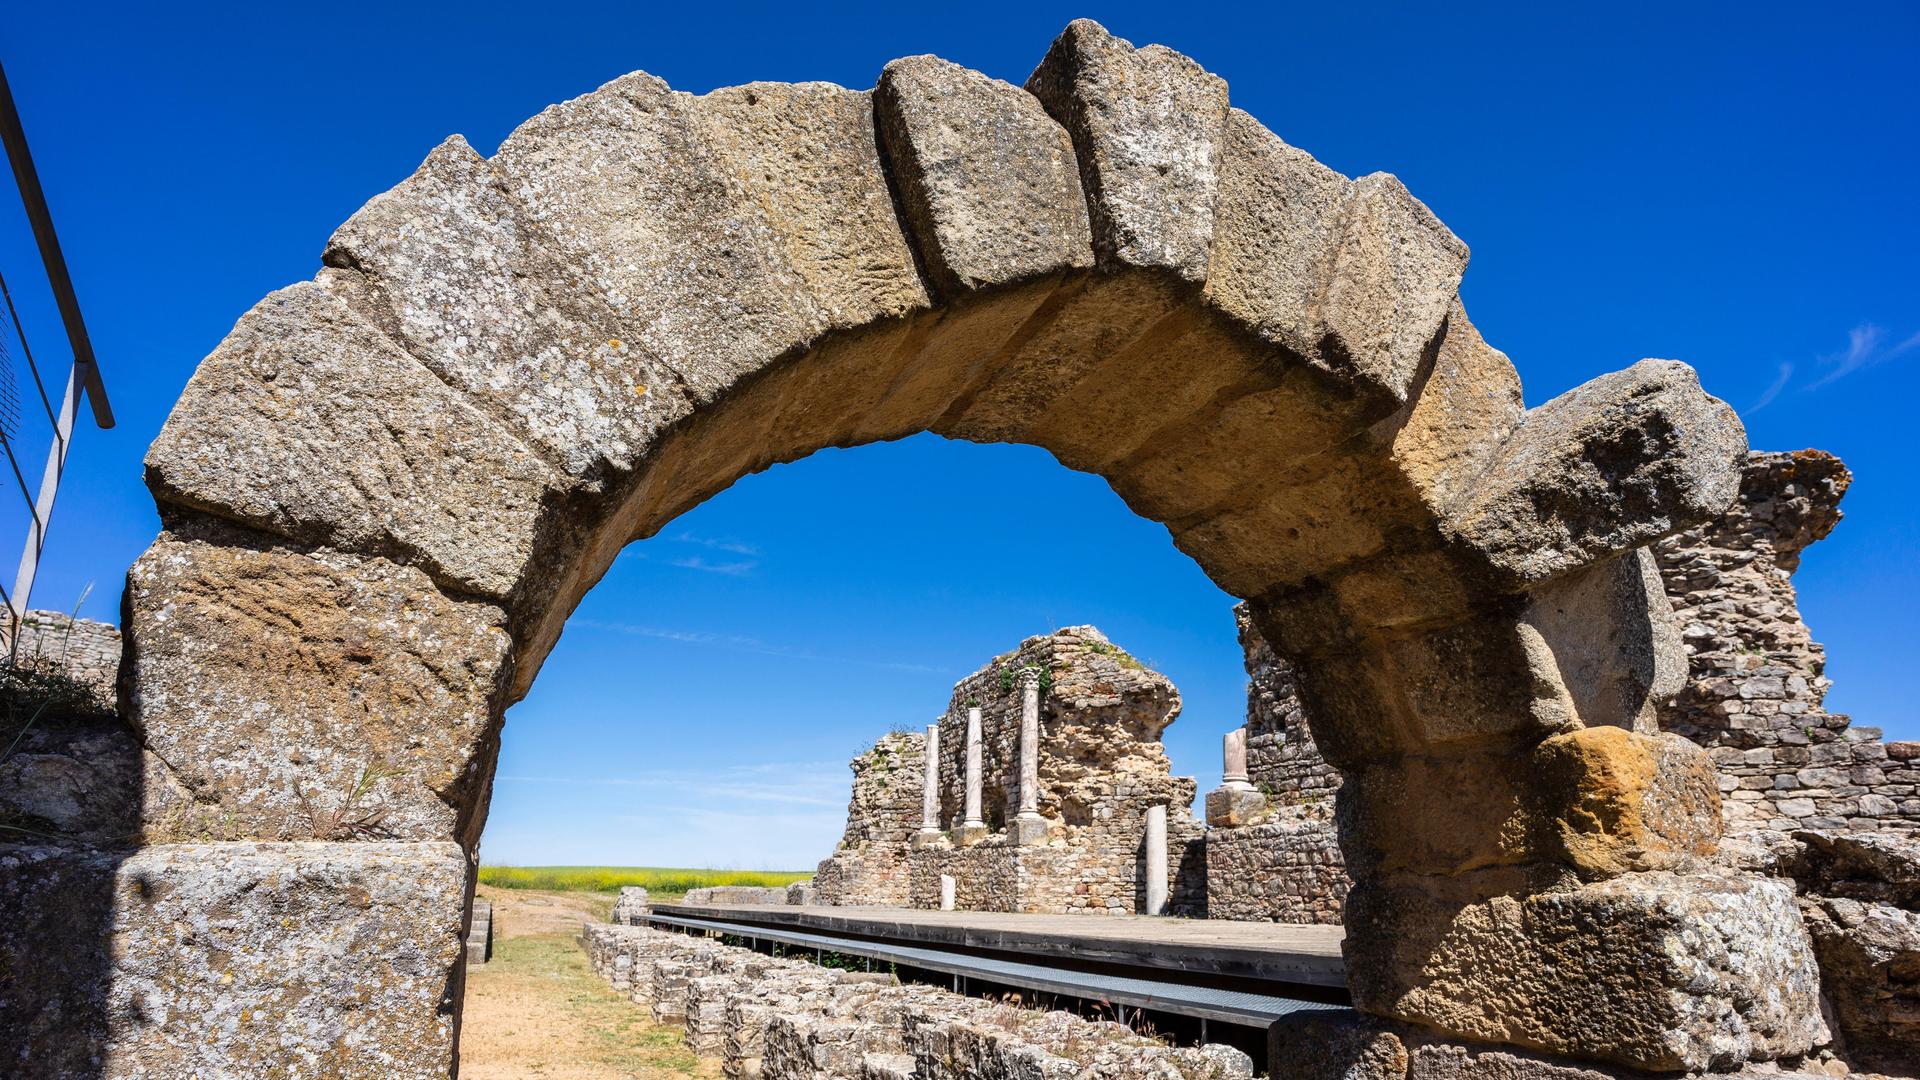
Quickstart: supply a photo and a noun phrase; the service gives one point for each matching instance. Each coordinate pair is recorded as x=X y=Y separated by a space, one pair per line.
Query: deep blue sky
x=1730 y=185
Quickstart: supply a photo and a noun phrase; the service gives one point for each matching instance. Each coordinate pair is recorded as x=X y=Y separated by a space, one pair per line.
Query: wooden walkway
x=1266 y=952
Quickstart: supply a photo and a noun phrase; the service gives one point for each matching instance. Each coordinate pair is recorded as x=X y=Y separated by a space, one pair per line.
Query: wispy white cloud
x=732 y=569
x=744 y=644
x=1866 y=346
x=1773 y=390
x=738 y=547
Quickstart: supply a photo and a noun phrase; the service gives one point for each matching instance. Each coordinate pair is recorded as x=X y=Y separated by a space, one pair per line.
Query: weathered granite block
x=244 y=959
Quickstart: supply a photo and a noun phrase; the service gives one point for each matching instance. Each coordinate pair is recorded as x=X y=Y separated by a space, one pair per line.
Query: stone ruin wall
x=86 y=649
x=1101 y=764
x=1285 y=866
x=870 y=866
x=1757 y=682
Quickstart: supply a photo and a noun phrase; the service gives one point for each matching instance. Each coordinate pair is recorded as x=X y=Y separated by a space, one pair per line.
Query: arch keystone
x=1146 y=126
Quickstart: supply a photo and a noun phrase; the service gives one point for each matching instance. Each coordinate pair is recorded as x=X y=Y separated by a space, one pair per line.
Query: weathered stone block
x=988 y=180
x=404 y=465
x=1598 y=801
x=1602 y=469
x=626 y=186
x=452 y=267
x=308 y=696
x=1657 y=971
x=318 y=959
x=1334 y=1045
x=1618 y=801
x=1146 y=126
x=1230 y=807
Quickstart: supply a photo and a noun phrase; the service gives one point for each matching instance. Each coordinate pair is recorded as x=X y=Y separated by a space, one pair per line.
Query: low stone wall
x=778 y=1019
x=86 y=649
x=737 y=894
x=1860 y=897
x=1281 y=870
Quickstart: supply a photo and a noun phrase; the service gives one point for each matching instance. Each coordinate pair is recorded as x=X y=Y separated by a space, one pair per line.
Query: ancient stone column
x=930 y=786
x=1028 y=826
x=1233 y=753
x=1156 y=859
x=946 y=892
x=973 y=827
x=1235 y=802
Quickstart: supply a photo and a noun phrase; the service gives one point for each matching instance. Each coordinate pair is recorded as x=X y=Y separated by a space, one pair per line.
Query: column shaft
x=1156 y=859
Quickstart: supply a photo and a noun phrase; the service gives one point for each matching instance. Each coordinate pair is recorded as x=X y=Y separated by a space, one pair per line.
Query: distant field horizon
x=661 y=879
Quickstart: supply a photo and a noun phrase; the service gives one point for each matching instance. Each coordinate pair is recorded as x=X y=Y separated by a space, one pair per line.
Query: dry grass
x=536 y=1010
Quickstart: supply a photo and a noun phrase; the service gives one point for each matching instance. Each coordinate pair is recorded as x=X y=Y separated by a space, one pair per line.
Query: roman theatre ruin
x=384 y=492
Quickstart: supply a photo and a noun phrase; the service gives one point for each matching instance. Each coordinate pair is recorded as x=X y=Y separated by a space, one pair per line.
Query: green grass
x=607 y=879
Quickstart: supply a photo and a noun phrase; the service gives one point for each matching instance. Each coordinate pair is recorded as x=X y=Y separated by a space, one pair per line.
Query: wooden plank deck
x=1269 y=952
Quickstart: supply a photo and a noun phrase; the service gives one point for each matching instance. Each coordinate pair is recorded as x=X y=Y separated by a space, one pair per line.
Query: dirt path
x=536 y=1010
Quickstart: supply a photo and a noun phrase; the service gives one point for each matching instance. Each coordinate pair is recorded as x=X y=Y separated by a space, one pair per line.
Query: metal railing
x=83 y=376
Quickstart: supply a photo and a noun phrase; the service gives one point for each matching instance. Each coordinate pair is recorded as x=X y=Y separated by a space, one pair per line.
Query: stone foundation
x=776 y=1019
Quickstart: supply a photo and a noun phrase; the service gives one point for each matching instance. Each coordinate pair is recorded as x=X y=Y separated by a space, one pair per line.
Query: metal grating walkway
x=1205 y=1003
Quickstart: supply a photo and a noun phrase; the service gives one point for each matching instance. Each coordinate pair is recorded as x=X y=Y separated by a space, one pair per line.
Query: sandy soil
x=536 y=1010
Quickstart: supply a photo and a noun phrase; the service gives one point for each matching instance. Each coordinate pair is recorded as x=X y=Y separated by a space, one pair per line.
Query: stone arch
x=385 y=490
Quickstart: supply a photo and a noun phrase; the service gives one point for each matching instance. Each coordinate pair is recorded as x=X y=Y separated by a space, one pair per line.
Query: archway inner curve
x=387 y=488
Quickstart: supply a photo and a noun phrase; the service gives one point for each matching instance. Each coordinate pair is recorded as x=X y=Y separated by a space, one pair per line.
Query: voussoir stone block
x=1353 y=277
x=626 y=186
x=267 y=434
x=1146 y=126
x=295 y=696
x=1611 y=631
x=1657 y=971
x=988 y=180
x=453 y=268
x=808 y=156
x=1602 y=469
x=1470 y=404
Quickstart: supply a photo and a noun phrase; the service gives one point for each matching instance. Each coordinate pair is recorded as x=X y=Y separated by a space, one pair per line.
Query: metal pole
x=43 y=507
x=35 y=201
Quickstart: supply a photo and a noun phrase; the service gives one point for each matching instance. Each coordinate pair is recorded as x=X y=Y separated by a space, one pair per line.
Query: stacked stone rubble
x=1757 y=679
x=870 y=866
x=784 y=1019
